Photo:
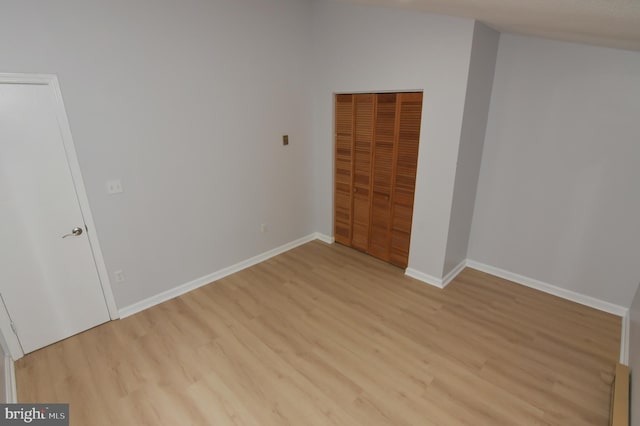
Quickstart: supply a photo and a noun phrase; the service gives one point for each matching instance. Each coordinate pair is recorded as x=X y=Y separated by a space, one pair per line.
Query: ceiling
x=610 y=23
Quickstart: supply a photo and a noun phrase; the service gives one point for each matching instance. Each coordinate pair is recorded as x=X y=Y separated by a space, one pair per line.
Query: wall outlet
x=119 y=275
x=114 y=186
x=263 y=228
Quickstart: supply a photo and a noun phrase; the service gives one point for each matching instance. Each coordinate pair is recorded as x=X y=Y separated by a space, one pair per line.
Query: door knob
x=74 y=232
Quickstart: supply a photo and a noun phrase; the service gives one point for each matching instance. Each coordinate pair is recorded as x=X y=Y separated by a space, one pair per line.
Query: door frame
x=51 y=81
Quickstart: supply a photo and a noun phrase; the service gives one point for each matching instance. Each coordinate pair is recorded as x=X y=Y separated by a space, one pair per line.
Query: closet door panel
x=343 y=169
x=363 y=138
x=410 y=107
x=399 y=249
x=382 y=175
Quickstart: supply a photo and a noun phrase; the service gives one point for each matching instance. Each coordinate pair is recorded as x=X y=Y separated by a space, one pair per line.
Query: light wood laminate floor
x=325 y=335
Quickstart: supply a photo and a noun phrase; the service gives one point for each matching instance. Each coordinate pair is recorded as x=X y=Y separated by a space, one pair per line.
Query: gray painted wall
x=634 y=357
x=558 y=197
x=186 y=102
x=474 y=124
x=367 y=49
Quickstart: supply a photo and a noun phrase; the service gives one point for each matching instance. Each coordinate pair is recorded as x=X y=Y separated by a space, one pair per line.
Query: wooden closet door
x=343 y=169
x=363 y=141
x=404 y=181
x=386 y=126
x=377 y=138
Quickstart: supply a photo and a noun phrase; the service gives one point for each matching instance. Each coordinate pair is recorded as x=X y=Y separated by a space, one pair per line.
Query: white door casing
x=52 y=287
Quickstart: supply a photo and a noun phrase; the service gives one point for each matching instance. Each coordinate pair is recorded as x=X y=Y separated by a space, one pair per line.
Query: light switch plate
x=285 y=139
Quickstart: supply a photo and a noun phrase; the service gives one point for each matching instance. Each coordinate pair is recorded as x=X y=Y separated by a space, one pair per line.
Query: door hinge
x=14 y=328
x=12 y=324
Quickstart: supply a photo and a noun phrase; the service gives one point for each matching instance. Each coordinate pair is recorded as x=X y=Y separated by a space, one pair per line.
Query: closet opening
x=376 y=158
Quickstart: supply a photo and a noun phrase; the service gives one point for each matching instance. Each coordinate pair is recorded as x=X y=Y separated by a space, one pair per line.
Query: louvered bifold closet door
x=343 y=169
x=382 y=175
x=363 y=142
x=410 y=112
x=377 y=138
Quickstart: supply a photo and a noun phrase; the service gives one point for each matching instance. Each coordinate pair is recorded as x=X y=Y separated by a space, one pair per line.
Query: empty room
x=319 y=212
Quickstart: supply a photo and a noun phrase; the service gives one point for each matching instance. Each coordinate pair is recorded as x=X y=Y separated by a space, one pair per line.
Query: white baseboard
x=426 y=278
x=199 y=282
x=624 y=338
x=435 y=281
x=551 y=289
x=324 y=238
x=10 y=390
x=453 y=273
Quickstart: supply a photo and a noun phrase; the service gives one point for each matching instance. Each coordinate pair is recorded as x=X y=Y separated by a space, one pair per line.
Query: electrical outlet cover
x=114 y=186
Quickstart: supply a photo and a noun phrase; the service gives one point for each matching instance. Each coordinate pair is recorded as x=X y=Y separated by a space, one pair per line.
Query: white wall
x=476 y=111
x=368 y=49
x=186 y=102
x=558 y=197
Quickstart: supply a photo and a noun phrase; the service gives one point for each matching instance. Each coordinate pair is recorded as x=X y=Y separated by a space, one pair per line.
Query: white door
x=48 y=277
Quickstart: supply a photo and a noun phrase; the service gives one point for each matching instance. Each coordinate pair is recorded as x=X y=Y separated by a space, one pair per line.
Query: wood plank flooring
x=325 y=335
